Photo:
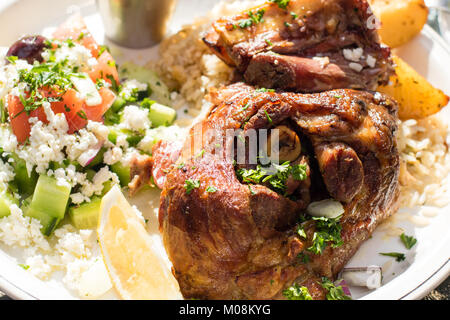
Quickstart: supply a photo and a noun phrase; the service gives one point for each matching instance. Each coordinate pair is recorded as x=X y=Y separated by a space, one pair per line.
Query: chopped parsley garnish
x=277 y=180
x=295 y=292
x=211 y=189
x=180 y=166
x=264 y=90
x=24 y=266
x=114 y=84
x=190 y=185
x=268 y=117
x=244 y=108
x=81 y=36
x=51 y=74
x=397 y=255
x=269 y=42
x=287 y=24
x=82 y=115
x=327 y=232
x=252 y=19
x=282 y=4
x=200 y=154
x=12 y=59
x=408 y=241
x=294 y=15
x=334 y=293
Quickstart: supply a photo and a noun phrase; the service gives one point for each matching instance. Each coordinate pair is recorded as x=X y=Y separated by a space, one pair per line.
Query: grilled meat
x=232 y=240
x=308 y=46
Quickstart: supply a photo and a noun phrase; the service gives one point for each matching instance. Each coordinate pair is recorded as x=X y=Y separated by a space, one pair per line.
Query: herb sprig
x=397 y=255
x=408 y=241
x=276 y=180
x=334 y=293
x=282 y=4
x=327 y=232
x=191 y=184
x=295 y=292
x=253 y=19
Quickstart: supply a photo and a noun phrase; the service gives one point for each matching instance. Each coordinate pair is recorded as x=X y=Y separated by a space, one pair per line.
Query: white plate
x=425 y=266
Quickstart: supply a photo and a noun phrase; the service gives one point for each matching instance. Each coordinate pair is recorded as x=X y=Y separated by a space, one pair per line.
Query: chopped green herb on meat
x=282 y=4
x=252 y=19
x=190 y=185
x=327 y=232
x=334 y=293
x=295 y=292
x=277 y=180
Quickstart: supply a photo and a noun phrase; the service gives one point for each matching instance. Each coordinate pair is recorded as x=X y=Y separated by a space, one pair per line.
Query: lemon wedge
x=131 y=255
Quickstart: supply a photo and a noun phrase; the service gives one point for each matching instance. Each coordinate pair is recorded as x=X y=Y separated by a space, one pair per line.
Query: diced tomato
x=18 y=118
x=105 y=69
x=73 y=107
x=70 y=104
x=95 y=113
x=75 y=28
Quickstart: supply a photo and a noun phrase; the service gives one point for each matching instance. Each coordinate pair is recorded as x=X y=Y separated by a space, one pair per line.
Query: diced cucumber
x=49 y=203
x=112 y=135
x=111 y=117
x=26 y=204
x=107 y=186
x=85 y=216
x=123 y=172
x=90 y=173
x=6 y=200
x=64 y=164
x=133 y=138
x=25 y=183
x=160 y=92
x=159 y=114
x=118 y=104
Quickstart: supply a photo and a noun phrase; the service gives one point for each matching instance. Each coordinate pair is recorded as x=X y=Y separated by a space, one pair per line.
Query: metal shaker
x=135 y=23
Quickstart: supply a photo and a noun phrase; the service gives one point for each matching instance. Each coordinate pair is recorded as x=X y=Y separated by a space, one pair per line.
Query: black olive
x=28 y=48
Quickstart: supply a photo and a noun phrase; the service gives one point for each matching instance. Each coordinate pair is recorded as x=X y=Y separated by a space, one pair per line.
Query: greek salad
x=71 y=121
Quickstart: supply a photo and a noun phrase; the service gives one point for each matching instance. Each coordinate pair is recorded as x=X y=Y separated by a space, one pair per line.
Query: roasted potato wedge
x=417 y=98
x=401 y=20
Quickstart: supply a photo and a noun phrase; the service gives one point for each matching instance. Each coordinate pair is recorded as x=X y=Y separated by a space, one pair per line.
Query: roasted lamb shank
x=231 y=238
x=304 y=45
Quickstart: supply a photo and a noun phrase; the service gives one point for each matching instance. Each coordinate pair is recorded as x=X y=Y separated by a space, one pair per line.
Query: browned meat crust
x=241 y=242
x=300 y=48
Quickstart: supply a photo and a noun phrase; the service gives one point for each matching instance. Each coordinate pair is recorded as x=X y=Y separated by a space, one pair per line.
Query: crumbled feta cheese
x=353 y=54
x=96 y=187
x=112 y=155
x=371 y=61
x=99 y=129
x=74 y=55
x=87 y=89
x=355 y=66
x=6 y=174
x=130 y=86
x=135 y=118
x=171 y=133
